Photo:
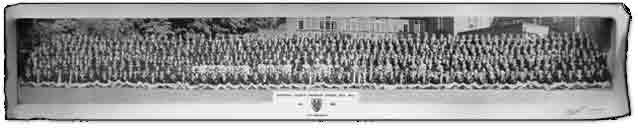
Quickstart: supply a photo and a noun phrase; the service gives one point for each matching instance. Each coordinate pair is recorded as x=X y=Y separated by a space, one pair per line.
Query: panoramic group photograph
x=301 y=53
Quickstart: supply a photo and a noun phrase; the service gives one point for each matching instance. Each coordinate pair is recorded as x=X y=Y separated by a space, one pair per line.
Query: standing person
x=412 y=71
x=307 y=70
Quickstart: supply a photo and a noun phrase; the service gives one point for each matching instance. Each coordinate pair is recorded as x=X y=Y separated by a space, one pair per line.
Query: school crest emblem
x=316 y=104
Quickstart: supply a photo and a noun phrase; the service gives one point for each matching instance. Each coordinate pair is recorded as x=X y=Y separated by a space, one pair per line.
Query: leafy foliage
x=39 y=28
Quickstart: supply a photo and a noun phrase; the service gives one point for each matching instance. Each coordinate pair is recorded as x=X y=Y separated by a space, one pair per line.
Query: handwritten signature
x=582 y=109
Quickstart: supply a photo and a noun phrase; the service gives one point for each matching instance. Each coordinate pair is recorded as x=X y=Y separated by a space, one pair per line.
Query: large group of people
x=321 y=60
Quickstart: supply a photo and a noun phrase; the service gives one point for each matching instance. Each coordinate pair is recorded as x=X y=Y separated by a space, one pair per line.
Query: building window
x=439 y=24
x=333 y=24
x=405 y=28
x=300 y=25
x=327 y=24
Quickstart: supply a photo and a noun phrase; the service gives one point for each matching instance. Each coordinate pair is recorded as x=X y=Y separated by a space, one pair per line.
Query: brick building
x=346 y=24
x=372 y=24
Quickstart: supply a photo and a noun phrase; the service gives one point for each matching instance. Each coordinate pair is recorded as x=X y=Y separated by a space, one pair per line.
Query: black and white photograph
x=320 y=66
x=271 y=53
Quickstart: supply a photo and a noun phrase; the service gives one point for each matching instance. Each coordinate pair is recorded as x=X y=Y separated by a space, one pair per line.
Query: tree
x=155 y=26
x=233 y=25
x=43 y=28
